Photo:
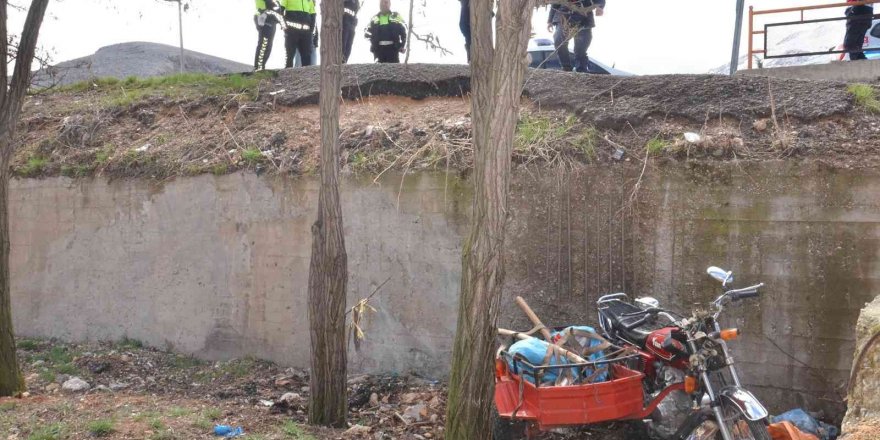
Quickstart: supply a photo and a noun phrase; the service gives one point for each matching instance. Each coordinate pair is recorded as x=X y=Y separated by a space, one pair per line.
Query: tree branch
x=20 y=82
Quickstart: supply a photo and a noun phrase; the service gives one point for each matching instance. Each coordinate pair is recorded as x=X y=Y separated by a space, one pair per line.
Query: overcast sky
x=640 y=36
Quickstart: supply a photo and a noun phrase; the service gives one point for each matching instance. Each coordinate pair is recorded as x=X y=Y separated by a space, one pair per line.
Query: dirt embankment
x=417 y=117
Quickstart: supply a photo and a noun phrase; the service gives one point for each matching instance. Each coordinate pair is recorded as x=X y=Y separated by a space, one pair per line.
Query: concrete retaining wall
x=218 y=266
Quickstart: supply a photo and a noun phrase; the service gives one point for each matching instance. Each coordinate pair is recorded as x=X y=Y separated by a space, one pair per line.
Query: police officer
x=573 y=22
x=265 y=22
x=301 y=34
x=387 y=34
x=464 y=24
x=349 y=23
x=858 y=22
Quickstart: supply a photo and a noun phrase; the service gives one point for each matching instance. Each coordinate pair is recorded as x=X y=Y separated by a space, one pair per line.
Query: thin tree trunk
x=497 y=75
x=328 y=272
x=12 y=92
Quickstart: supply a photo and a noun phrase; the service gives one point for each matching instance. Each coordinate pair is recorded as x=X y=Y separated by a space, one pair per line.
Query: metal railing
x=801 y=9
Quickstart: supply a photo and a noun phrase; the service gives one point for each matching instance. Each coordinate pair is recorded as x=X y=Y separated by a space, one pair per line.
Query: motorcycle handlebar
x=744 y=293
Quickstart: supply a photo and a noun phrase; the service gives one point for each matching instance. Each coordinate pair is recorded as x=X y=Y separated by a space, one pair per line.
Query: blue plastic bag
x=807 y=424
x=228 y=431
x=535 y=350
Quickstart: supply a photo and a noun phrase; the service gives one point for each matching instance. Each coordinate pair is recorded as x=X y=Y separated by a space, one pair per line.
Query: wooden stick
x=557 y=349
x=534 y=318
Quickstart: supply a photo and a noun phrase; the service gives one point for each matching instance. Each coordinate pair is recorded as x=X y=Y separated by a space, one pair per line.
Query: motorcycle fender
x=745 y=402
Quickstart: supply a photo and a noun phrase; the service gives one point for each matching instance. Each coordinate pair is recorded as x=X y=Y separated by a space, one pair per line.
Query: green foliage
x=7 y=406
x=76 y=170
x=537 y=134
x=865 y=96
x=656 y=145
x=252 y=155
x=34 y=166
x=157 y=424
x=67 y=368
x=185 y=362
x=55 y=431
x=291 y=430
x=163 y=435
x=103 y=155
x=101 y=428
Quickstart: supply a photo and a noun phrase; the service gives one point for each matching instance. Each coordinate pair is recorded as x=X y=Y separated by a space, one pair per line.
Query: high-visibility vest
x=307 y=6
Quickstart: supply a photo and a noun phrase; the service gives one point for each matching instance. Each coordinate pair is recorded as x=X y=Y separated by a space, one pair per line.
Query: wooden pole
x=545 y=332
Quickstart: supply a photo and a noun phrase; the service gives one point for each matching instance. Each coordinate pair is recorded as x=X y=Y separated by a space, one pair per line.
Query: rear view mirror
x=720 y=274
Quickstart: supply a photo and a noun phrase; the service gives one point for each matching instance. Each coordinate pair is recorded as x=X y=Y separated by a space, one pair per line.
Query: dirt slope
x=417 y=117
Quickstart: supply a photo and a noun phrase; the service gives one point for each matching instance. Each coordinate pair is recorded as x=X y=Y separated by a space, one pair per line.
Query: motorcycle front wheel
x=740 y=427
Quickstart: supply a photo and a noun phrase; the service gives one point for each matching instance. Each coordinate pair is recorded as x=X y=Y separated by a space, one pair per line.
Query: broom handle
x=534 y=318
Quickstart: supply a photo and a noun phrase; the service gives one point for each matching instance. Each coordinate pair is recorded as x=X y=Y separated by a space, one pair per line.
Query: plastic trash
x=228 y=431
x=808 y=424
x=693 y=138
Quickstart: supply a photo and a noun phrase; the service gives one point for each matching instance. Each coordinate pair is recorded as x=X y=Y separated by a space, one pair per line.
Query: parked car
x=542 y=55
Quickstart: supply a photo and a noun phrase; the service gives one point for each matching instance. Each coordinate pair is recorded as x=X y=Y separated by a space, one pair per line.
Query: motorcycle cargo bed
x=552 y=406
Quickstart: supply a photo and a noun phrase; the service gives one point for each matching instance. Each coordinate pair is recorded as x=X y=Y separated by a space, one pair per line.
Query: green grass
x=177 y=411
x=157 y=424
x=129 y=343
x=865 y=96
x=203 y=424
x=540 y=132
x=656 y=145
x=291 y=430
x=34 y=166
x=55 y=431
x=101 y=428
x=252 y=155
x=185 y=362
x=219 y=169
x=28 y=344
x=8 y=406
x=163 y=435
x=103 y=155
x=183 y=85
x=47 y=375
x=212 y=414
x=67 y=368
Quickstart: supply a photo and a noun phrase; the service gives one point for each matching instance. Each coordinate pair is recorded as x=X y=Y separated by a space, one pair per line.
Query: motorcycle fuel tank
x=661 y=343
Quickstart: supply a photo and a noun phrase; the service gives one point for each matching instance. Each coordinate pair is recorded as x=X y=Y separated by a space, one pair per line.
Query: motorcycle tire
x=505 y=429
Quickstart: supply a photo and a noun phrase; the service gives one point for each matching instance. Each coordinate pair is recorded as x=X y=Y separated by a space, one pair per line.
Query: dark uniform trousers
x=349 y=24
x=265 y=36
x=388 y=54
x=857 y=25
x=298 y=40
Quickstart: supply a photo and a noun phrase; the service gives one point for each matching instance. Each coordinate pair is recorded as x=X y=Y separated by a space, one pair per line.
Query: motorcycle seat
x=614 y=310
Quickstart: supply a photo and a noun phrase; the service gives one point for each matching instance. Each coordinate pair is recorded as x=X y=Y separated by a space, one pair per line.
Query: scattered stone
x=146 y=117
x=368 y=132
x=103 y=389
x=61 y=378
x=374 y=400
x=760 y=125
x=409 y=398
x=98 y=367
x=358 y=430
x=52 y=388
x=31 y=377
x=277 y=140
x=38 y=363
x=415 y=413
x=75 y=385
x=117 y=386
x=143 y=148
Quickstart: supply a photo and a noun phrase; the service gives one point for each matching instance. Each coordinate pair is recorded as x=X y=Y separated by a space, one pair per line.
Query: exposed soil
x=416 y=119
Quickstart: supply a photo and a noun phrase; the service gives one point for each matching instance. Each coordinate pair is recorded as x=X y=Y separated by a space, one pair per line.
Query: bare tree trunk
x=328 y=272
x=12 y=94
x=497 y=75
